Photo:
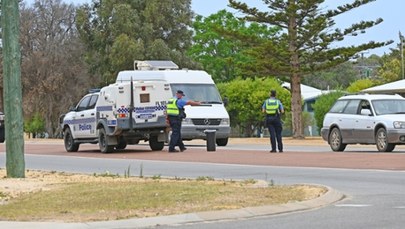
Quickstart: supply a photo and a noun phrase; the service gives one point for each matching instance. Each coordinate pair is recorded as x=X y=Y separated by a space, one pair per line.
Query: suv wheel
x=382 y=141
x=70 y=144
x=335 y=140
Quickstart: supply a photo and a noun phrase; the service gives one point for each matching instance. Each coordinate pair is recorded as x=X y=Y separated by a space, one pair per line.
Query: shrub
x=323 y=105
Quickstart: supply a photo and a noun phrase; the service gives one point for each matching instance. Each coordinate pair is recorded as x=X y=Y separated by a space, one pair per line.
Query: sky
x=391 y=11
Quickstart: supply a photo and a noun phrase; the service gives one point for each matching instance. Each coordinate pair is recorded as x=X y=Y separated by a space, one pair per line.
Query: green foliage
x=359 y=85
x=34 y=125
x=306 y=44
x=390 y=71
x=245 y=100
x=117 y=32
x=323 y=105
x=219 y=54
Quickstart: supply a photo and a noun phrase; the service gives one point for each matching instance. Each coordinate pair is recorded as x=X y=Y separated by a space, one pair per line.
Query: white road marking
x=353 y=205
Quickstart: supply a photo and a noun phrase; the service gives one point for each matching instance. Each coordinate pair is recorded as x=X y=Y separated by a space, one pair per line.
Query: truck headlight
x=225 y=121
x=187 y=121
x=399 y=125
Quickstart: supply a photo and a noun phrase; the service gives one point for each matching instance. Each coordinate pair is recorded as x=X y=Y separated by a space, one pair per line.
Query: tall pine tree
x=304 y=44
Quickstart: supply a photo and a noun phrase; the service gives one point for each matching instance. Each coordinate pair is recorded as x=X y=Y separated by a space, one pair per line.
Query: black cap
x=180 y=92
x=273 y=93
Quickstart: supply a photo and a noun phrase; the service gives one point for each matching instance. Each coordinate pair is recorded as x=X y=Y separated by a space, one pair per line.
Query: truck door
x=85 y=118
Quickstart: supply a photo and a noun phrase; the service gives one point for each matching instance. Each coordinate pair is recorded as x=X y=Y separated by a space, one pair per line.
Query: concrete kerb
x=330 y=197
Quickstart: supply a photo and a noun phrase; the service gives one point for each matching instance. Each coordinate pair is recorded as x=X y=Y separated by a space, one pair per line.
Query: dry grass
x=47 y=196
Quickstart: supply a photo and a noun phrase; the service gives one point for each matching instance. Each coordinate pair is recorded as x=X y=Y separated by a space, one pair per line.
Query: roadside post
x=211 y=138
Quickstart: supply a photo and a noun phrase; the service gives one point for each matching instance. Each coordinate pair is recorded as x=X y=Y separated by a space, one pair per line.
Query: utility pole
x=401 y=49
x=15 y=163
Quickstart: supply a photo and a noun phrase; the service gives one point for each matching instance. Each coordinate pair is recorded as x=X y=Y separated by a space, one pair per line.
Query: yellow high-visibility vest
x=172 y=108
x=272 y=106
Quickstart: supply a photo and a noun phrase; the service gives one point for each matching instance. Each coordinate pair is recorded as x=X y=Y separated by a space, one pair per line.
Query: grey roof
x=389 y=88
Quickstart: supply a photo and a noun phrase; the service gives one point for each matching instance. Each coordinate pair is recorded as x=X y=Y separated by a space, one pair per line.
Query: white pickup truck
x=118 y=115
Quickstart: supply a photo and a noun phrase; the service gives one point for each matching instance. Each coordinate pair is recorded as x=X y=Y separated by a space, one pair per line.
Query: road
x=374 y=183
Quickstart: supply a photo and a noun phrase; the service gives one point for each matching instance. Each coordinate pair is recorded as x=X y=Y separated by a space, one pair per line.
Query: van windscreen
x=206 y=93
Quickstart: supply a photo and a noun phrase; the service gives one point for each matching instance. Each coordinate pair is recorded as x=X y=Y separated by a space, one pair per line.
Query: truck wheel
x=103 y=142
x=222 y=141
x=154 y=144
x=122 y=144
x=70 y=144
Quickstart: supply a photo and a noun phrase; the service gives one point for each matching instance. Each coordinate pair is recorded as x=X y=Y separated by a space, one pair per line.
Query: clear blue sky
x=392 y=11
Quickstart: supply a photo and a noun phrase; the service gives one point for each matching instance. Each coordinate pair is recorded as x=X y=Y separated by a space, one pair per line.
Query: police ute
x=118 y=115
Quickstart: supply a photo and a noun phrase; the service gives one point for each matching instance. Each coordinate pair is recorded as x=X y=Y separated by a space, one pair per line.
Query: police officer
x=273 y=108
x=175 y=115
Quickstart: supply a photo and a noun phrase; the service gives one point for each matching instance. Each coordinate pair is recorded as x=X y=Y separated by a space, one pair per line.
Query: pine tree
x=304 y=45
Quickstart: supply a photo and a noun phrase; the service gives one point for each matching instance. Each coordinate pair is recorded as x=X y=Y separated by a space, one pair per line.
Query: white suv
x=366 y=119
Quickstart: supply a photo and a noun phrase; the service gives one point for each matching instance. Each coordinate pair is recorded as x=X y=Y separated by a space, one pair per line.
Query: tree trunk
x=296 y=107
x=296 y=104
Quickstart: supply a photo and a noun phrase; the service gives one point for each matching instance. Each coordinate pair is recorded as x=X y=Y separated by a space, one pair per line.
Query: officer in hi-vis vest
x=273 y=108
x=175 y=114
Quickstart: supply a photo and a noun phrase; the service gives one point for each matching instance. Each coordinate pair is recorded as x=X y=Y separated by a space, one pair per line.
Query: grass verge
x=81 y=198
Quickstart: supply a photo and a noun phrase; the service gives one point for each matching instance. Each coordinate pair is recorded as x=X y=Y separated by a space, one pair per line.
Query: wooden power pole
x=10 y=20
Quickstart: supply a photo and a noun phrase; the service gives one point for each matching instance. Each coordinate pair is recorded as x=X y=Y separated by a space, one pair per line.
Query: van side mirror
x=225 y=101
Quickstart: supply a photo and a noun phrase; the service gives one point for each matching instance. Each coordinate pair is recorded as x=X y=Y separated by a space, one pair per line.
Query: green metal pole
x=15 y=163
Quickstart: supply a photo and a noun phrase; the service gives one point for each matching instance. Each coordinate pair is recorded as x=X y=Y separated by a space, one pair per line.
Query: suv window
x=386 y=106
x=338 y=106
x=352 y=107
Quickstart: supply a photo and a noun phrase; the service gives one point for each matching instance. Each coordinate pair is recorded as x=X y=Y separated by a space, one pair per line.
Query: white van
x=196 y=85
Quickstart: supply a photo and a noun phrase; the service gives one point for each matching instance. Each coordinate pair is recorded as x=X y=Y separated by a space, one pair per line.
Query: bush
x=323 y=105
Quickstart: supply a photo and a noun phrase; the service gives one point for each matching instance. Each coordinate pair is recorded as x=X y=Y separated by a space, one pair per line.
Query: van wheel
x=2 y=134
x=154 y=144
x=103 y=142
x=70 y=144
x=222 y=141
x=382 y=141
x=335 y=140
x=122 y=144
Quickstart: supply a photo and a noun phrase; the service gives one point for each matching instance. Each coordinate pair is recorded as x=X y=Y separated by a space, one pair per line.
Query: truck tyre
x=154 y=144
x=103 y=142
x=70 y=144
x=122 y=144
x=222 y=141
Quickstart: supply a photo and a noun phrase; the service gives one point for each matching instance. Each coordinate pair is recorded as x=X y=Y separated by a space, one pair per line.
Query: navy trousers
x=275 y=128
x=175 y=138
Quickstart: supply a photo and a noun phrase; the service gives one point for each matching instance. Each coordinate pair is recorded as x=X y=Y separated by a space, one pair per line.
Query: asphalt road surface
x=373 y=182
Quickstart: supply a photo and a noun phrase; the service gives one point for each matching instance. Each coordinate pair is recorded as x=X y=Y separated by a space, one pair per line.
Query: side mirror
x=225 y=101
x=366 y=112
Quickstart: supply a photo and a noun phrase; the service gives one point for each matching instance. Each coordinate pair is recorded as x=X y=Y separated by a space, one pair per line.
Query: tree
x=117 y=32
x=245 y=100
x=220 y=55
x=305 y=43
x=54 y=73
x=323 y=104
x=361 y=84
